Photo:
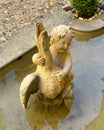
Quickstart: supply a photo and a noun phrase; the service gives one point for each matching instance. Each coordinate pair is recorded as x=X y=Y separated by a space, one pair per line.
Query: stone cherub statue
x=52 y=78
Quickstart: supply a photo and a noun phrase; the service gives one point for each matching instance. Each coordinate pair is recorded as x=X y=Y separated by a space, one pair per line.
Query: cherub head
x=61 y=37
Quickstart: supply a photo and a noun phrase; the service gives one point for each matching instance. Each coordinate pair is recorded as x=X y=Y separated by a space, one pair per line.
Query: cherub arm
x=67 y=65
x=66 y=69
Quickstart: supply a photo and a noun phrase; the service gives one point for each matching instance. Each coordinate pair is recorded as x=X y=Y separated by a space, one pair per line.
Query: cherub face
x=62 y=44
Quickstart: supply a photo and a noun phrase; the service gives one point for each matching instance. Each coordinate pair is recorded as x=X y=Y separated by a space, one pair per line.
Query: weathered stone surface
x=89 y=25
x=52 y=77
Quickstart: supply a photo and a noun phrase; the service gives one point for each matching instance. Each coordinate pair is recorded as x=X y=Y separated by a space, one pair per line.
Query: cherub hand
x=41 y=60
x=38 y=60
x=60 y=75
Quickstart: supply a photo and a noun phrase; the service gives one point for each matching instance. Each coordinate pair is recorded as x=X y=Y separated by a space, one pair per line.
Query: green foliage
x=85 y=8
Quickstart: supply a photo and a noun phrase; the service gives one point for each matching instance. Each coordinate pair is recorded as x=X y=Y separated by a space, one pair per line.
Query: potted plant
x=85 y=8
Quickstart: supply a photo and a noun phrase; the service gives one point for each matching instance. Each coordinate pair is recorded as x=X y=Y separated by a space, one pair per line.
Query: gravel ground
x=17 y=15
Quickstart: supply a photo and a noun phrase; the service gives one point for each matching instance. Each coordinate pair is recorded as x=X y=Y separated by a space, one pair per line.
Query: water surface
x=88 y=68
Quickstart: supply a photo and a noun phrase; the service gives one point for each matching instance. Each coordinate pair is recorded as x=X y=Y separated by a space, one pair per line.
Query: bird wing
x=29 y=85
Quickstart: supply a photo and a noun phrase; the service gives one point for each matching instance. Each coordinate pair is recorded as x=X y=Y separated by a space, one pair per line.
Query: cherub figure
x=61 y=37
x=54 y=64
x=60 y=40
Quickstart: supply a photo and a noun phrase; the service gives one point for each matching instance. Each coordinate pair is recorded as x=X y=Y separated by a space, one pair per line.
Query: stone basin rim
x=87 y=31
x=88 y=26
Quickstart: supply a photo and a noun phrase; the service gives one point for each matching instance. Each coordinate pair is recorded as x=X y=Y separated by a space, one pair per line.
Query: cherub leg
x=67 y=93
x=68 y=96
x=68 y=100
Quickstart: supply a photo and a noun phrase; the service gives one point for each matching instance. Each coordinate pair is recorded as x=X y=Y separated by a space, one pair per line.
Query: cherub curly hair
x=59 y=32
